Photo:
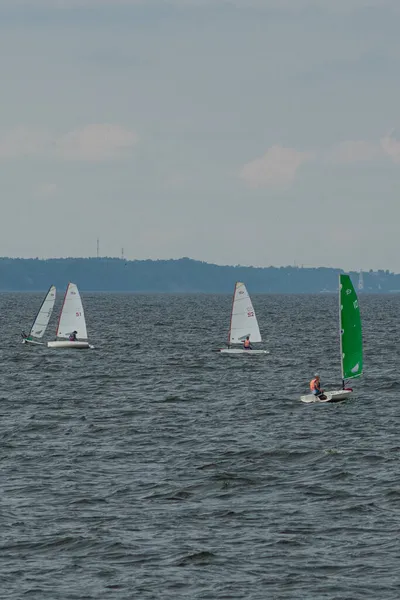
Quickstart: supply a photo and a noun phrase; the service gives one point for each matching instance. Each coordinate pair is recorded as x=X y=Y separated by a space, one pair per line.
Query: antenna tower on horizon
x=98 y=247
x=361 y=281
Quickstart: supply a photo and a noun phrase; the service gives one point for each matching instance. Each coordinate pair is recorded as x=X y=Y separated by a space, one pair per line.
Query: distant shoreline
x=180 y=276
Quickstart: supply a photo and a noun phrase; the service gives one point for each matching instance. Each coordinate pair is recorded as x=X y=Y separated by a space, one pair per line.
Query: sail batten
x=243 y=317
x=42 y=318
x=72 y=317
x=351 y=351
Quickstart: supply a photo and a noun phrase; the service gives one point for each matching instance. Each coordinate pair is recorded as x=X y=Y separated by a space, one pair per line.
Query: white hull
x=67 y=344
x=331 y=396
x=242 y=351
x=26 y=341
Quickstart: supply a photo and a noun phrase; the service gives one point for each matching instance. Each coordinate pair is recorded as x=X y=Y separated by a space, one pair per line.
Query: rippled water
x=153 y=467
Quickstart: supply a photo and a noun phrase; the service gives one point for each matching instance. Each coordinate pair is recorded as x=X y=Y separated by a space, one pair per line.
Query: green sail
x=350 y=330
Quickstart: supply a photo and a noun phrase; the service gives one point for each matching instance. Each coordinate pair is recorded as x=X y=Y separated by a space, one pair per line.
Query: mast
x=62 y=308
x=340 y=330
x=230 y=324
x=361 y=281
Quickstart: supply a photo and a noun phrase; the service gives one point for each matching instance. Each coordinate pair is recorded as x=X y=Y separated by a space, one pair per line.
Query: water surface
x=153 y=467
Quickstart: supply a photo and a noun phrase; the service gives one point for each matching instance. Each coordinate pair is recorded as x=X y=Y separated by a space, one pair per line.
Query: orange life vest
x=313 y=384
x=246 y=343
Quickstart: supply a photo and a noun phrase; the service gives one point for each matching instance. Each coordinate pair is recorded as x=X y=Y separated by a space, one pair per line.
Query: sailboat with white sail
x=351 y=345
x=71 y=321
x=42 y=319
x=243 y=323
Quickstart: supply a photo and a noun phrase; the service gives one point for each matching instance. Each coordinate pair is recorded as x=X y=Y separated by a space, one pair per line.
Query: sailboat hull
x=33 y=342
x=241 y=351
x=331 y=396
x=67 y=344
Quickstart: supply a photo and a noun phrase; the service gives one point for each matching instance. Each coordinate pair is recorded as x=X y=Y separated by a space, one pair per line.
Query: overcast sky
x=238 y=132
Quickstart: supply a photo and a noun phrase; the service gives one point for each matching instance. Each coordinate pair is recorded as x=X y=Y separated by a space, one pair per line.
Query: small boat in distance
x=243 y=323
x=72 y=319
x=42 y=319
x=351 y=347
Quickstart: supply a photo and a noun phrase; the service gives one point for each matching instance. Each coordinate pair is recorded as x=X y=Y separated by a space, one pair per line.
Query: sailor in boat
x=72 y=336
x=315 y=387
x=246 y=344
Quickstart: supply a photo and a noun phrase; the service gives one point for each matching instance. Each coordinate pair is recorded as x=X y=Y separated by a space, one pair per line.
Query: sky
x=253 y=132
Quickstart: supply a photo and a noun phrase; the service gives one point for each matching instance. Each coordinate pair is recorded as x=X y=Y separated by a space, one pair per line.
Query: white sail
x=243 y=319
x=72 y=317
x=44 y=313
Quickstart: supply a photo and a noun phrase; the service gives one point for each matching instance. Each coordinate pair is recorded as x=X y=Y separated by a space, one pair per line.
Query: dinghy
x=243 y=323
x=42 y=319
x=350 y=335
x=72 y=318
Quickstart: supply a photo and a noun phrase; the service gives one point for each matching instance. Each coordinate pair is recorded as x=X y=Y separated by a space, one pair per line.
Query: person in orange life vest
x=315 y=386
x=246 y=344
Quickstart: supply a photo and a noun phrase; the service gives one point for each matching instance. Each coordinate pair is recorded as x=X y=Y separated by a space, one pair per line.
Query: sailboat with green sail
x=351 y=346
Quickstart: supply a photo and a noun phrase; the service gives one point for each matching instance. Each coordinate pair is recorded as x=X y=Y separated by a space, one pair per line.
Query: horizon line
x=199 y=260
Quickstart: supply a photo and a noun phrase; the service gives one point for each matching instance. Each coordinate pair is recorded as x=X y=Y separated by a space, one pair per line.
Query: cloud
x=95 y=143
x=350 y=151
x=391 y=147
x=277 y=167
x=23 y=141
x=362 y=151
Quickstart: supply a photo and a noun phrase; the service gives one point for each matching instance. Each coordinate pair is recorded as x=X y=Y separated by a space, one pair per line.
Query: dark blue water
x=153 y=467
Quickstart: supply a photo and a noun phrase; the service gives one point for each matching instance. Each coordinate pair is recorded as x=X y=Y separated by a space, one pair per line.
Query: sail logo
x=348 y=292
x=250 y=311
x=356 y=368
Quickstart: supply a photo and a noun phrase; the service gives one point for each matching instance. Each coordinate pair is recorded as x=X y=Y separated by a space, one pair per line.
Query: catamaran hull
x=241 y=351
x=331 y=396
x=68 y=344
